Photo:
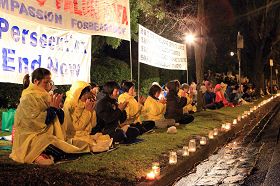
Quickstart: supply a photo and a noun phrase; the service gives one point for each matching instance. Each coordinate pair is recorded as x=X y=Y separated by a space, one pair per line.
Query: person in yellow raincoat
x=190 y=107
x=38 y=134
x=80 y=118
x=154 y=108
x=134 y=108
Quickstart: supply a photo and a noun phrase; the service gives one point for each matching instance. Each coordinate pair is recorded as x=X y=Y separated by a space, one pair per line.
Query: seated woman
x=175 y=104
x=190 y=107
x=220 y=98
x=38 y=135
x=80 y=118
x=134 y=108
x=154 y=108
x=110 y=114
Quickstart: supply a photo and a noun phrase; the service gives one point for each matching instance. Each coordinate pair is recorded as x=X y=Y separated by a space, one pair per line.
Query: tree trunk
x=200 y=49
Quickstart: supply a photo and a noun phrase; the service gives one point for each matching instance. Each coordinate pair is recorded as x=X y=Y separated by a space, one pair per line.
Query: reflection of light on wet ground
x=230 y=166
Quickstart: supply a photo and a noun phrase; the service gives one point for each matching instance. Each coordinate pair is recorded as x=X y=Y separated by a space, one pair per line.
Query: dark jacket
x=174 y=105
x=108 y=115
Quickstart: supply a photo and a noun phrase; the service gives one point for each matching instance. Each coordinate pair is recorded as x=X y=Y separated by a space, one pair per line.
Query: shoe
x=44 y=160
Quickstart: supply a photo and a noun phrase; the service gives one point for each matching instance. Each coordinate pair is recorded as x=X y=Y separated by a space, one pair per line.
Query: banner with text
x=26 y=46
x=94 y=17
x=159 y=52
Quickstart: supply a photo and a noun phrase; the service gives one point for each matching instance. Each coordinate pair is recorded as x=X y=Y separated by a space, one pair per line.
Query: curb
x=171 y=173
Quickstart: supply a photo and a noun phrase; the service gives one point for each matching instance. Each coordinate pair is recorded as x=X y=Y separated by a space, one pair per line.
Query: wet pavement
x=244 y=161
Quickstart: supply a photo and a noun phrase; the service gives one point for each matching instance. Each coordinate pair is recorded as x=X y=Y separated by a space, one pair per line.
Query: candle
x=211 y=134
x=172 y=158
x=239 y=118
x=216 y=132
x=234 y=121
x=156 y=168
x=192 y=145
x=185 y=151
x=228 y=126
x=243 y=116
x=203 y=141
x=151 y=175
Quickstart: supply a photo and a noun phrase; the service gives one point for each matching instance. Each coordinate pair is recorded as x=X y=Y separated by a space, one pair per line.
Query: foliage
x=9 y=95
x=105 y=69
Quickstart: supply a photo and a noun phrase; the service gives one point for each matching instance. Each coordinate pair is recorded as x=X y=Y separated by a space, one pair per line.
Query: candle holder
x=172 y=157
x=211 y=134
x=203 y=140
x=239 y=118
x=228 y=126
x=216 y=132
x=185 y=151
x=192 y=145
x=151 y=175
x=156 y=168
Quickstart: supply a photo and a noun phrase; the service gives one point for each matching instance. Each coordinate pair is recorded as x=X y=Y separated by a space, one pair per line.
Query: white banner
x=94 y=17
x=159 y=52
x=25 y=46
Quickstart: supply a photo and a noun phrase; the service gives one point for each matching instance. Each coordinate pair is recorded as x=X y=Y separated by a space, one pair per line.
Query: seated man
x=134 y=108
x=110 y=114
x=81 y=118
x=175 y=104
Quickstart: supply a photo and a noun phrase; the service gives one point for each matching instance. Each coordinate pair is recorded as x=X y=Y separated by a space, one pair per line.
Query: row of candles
x=186 y=150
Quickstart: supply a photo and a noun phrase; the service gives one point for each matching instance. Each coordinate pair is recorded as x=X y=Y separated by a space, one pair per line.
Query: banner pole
x=130 y=54
x=138 y=81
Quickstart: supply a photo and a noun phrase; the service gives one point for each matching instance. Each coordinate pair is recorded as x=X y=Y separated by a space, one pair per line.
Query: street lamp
x=190 y=39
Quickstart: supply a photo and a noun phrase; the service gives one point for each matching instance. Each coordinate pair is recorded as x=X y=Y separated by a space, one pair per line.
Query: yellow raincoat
x=189 y=107
x=133 y=108
x=79 y=121
x=32 y=135
x=153 y=110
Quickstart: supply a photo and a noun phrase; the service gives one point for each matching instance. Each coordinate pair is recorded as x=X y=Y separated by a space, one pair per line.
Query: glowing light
x=151 y=175
x=231 y=53
x=203 y=141
x=190 y=38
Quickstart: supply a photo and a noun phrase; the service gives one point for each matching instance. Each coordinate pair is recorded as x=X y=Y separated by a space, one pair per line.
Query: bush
x=9 y=95
x=105 y=69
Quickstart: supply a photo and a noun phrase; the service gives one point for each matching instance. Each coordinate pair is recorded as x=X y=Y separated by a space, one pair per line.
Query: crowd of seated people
x=93 y=117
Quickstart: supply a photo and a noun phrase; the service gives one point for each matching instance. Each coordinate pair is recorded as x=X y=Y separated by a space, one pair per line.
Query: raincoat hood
x=72 y=96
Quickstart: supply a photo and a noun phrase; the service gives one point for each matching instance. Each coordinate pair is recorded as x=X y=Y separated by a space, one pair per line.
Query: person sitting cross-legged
x=134 y=109
x=154 y=108
x=80 y=118
x=110 y=114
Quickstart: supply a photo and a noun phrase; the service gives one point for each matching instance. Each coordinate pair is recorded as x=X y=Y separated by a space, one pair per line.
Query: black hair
x=26 y=81
x=109 y=87
x=39 y=74
x=127 y=85
x=85 y=90
x=154 y=89
x=93 y=85
x=172 y=86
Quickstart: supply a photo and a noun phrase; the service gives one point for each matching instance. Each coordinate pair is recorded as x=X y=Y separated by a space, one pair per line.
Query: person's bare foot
x=44 y=160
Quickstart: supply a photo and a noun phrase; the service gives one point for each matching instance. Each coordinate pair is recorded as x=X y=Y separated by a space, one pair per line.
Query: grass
x=132 y=162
